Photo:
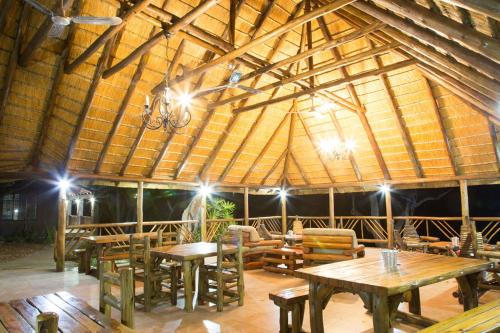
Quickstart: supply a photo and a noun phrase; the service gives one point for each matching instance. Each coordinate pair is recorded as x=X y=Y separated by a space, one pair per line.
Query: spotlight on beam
x=64 y=184
x=205 y=190
x=385 y=188
x=283 y=193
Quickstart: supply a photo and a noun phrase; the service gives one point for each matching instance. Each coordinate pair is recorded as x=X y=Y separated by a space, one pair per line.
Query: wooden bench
x=294 y=300
x=483 y=319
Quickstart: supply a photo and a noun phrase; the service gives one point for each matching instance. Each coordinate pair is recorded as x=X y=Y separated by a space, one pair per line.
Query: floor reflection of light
x=211 y=326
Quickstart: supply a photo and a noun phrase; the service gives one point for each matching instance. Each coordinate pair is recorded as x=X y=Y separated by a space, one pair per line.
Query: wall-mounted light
x=385 y=188
x=92 y=200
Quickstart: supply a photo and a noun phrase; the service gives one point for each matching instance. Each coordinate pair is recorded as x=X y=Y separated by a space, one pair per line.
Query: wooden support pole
x=390 y=220
x=232 y=22
x=464 y=201
x=453 y=30
x=166 y=33
x=203 y=218
x=62 y=208
x=488 y=8
x=107 y=35
x=140 y=202
x=482 y=64
x=283 y=212
x=246 y=210
x=331 y=207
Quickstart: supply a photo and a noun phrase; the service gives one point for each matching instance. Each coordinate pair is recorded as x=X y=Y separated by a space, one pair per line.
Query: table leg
x=381 y=316
x=367 y=300
x=88 y=257
x=468 y=287
x=318 y=298
x=188 y=286
x=414 y=304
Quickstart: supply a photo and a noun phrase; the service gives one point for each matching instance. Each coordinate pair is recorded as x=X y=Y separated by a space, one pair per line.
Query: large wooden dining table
x=191 y=256
x=382 y=291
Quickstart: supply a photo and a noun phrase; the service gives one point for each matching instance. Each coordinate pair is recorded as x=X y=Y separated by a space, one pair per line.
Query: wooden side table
x=282 y=261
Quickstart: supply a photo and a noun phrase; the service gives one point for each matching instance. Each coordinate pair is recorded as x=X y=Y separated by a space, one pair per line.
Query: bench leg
x=283 y=320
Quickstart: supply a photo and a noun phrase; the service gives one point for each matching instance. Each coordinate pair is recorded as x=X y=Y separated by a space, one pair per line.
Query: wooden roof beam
x=107 y=35
x=494 y=140
x=482 y=64
x=232 y=21
x=291 y=133
x=133 y=148
x=4 y=11
x=316 y=148
x=51 y=100
x=464 y=35
x=489 y=8
x=335 y=84
x=164 y=34
x=263 y=38
x=41 y=34
x=301 y=171
x=266 y=148
x=275 y=165
x=161 y=154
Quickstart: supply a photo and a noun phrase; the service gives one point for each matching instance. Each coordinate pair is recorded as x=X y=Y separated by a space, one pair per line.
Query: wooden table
x=191 y=256
x=382 y=291
x=286 y=256
x=75 y=315
x=105 y=242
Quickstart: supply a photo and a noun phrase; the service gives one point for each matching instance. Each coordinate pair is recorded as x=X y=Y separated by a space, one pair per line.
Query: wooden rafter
x=291 y=134
x=96 y=79
x=232 y=21
x=441 y=127
x=123 y=107
x=4 y=10
x=51 y=101
x=265 y=149
x=161 y=154
x=40 y=35
x=466 y=36
x=489 y=8
x=275 y=165
x=107 y=35
x=261 y=39
x=494 y=140
x=316 y=147
x=482 y=64
x=12 y=65
x=301 y=171
x=133 y=149
x=328 y=85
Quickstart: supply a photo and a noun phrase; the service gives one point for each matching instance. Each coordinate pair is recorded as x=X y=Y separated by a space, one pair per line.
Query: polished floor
x=35 y=275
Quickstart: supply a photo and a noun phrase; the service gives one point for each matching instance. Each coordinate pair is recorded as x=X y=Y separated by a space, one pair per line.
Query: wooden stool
x=294 y=300
x=287 y=257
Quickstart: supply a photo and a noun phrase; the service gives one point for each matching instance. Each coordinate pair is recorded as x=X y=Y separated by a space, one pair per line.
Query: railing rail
x=272 y=223
x=218 y=226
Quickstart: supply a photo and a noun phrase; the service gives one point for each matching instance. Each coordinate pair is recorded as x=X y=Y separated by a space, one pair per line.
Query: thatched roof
x=429 y=112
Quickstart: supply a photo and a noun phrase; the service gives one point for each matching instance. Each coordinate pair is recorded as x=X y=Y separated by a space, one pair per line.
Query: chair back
x=330 y=245
x=297 y=227
x=166 y=238
x=230 y=260
x=410 y=234
x=139 y=254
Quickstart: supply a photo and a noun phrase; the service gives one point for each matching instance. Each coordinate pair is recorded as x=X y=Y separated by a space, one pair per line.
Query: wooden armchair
x=330 y=245
x=413 y=241
x=254 y=246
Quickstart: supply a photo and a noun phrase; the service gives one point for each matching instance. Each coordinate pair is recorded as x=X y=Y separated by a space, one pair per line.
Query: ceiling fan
x=233 y=81
x=59 y=22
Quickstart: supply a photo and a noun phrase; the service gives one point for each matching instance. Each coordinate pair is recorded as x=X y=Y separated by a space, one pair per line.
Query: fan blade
x=39 y=7
x=250 y=90
x=209 y=91
x=56 y=31
x=114 y=20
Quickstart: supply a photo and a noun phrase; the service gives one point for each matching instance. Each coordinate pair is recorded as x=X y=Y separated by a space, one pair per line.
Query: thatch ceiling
x=419 y=101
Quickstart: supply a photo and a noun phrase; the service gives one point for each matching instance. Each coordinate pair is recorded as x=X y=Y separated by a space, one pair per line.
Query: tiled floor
x=345 y=313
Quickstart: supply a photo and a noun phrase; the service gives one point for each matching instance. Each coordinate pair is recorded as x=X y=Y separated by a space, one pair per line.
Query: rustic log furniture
x=283 y=261
x=383 y=290
x=74 y=315
x=412 y=241
x=191 y=256
x=483 y=319
x=125 y=304
x=329 y=245
x=294 y=300
x=223 y=282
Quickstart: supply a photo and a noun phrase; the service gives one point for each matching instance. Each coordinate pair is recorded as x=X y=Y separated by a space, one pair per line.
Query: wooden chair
x=153 y=276
x=412 y=241
x=223 y=282
x=124 y=279
x=297 y=227
x=325 y=245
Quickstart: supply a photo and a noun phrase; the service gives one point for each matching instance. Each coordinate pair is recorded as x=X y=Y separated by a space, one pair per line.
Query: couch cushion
x=254 y=235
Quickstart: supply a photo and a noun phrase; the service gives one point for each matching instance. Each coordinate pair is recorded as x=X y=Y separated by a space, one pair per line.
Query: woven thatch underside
x=471 y=143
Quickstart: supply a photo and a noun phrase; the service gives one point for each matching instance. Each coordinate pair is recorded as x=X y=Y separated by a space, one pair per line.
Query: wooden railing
x=272 y=223
x=217 y=226
x=489 y=226
x=442 y=227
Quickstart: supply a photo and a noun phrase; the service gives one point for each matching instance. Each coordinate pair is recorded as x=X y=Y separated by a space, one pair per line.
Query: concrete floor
x=35 y=275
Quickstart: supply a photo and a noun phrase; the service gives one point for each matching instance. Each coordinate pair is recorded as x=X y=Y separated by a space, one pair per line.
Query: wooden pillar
x=246 y=208
x=79 y=210
x=283 y=212
x=331 y=207
x=203 y=218
x=61 y=230
x=464 y=202
x=140 y=215
x=390 y=221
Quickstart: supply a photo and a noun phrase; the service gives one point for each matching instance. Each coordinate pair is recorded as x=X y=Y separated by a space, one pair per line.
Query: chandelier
x=336 y=149
x=167 y=109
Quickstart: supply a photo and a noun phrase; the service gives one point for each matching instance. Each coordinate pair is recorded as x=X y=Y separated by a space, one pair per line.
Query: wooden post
x=79 y=211
x=61 y=231
x=203 y=217
x=464 y=202
x=127 y=297
x=140 y=190
x=331 y=206
x=246 y=208
x=283 y=212
x=390 y=221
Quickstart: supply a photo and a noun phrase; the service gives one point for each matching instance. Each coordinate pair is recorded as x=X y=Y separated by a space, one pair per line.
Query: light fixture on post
x=336 y=149
x=167 y=109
